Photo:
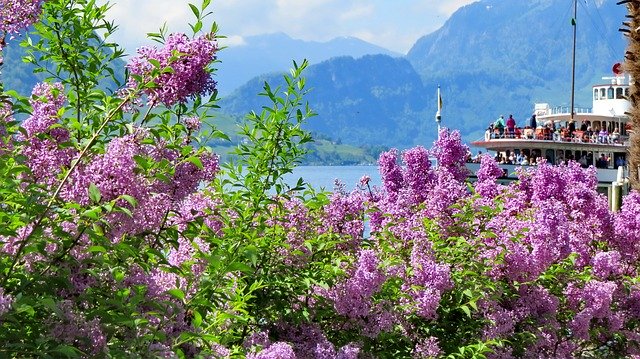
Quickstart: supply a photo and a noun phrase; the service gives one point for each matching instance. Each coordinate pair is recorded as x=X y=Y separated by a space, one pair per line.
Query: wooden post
x=632 y=67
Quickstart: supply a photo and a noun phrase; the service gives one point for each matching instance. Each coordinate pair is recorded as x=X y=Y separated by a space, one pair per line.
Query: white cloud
x=394 y=25
x=231 y=41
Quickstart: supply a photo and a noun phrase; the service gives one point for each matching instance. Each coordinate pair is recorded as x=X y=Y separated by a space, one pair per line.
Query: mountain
x=15 y=74
x=519 y=52
x=491 y=57
x=372 y=100
x=274 y=52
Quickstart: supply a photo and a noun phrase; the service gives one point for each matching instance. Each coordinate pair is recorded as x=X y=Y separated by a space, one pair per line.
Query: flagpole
x=573 y=63
x=438 y=114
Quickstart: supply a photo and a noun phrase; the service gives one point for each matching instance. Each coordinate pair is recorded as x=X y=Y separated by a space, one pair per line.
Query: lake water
x=325 y=176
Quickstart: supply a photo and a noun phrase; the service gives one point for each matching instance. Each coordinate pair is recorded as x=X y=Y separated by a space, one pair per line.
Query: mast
x=573 y=63
x=438 y=114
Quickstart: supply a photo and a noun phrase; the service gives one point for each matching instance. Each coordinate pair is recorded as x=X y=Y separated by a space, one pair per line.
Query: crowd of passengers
x=549 y=131
x=521 y=158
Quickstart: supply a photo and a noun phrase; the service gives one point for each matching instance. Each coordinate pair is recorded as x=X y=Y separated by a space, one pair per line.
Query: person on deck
x=603 y=136
x=511 y=126
x=499 y=124
x=533 y=123
x=572 y=127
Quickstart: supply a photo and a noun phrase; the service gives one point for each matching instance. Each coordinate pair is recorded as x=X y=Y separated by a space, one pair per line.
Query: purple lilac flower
x=160 y=350
x=352 y=298
x=607 y=264
x=16 y=15
x=418 y=175
x=349 y=351
x=44 y=156
x=451 y=153
x=390 y=172
x=427 y=348
x=46 y=99
x=257 y=339
x=74 y=329
x=277 y=350
x=489 y=171
x=307 y=340
x=345 y=215
x=192 y=123
x=189 y=60
x=627 y=227
x=6 y=301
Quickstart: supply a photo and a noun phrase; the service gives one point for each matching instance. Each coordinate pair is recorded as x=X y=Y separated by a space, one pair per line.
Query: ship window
x=610 y=93
x=619 y=93
x=603 y=93
x=626 y=92
x=595 y=94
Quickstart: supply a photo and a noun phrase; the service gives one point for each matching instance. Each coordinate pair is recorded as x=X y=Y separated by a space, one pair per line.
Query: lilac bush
x=123 y=235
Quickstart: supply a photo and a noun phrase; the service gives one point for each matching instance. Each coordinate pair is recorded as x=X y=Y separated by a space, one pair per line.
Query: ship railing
x=565 y=110
x=545 y=134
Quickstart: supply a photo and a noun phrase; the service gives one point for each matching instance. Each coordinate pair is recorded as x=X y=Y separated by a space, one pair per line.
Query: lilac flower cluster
x=6 y=301
x=189 y=76
x=45 y=155
x=352 y=298
x=16 y=15
x=74 y=329
x=298 y=341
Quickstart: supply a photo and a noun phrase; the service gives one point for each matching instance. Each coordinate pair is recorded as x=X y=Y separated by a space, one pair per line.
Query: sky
x=392 y=24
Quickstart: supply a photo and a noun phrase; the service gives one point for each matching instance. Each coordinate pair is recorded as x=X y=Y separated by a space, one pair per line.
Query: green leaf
x=197 y=319
x=100 y=249
x=176 y=293
x=466 y=310
x=132 y=201
x=196 y=161
x=67 y=350
x=195 y=10
x=468 y=293
x=94 y=193
x=237 y=266
x=197 y=27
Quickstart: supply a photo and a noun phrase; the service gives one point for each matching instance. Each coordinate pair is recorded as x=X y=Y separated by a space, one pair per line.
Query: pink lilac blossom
x=16 y=15
x=45 y=156
x=352 y=298
x=451 y=154
x=189 y=60
x=298 y=226
x=6 y=301
x=307 y=340
x=627 y=227
x=344 y=215
x=427 y=348
x=606 y=264
x=279 y=350
x=192 y=123
x=489 y=171
x=73 y=328
x=417 y=174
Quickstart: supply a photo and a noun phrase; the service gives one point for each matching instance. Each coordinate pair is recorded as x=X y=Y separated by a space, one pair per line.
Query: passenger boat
x=596 y=136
